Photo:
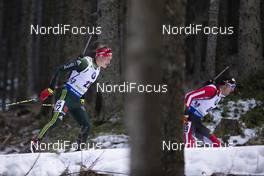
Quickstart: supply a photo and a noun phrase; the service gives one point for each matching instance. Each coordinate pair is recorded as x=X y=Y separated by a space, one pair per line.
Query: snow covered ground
x=234 y=110
x=198 y=161
x=113 y=157
x=112 y=141
x=246 y=160
x=101 y=160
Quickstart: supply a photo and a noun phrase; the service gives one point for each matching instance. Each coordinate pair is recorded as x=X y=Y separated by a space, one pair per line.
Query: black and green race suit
x=84 y=72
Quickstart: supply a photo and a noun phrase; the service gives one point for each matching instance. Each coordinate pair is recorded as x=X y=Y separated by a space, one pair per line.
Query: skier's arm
x=78 y=65
x=202 y=93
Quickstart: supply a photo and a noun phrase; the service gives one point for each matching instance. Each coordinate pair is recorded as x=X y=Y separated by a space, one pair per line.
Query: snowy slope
x=230 y=160
x=234 y=110
x=198 y=161
x=104 y=160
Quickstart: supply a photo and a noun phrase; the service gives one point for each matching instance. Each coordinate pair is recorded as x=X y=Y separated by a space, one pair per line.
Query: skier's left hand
x=82 y=100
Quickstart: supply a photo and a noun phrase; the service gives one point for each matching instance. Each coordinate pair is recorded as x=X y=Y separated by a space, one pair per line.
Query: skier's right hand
x=45 y=94
x=185 y=119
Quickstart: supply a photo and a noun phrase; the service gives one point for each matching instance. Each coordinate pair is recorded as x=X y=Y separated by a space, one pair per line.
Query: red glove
x=45 y=94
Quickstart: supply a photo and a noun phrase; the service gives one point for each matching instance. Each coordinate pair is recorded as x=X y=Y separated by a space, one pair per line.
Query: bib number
x=73 y=79
x=59 y=106
x=187 y=127
x=87 y=84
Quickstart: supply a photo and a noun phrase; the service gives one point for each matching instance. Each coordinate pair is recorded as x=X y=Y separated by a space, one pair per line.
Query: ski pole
x=20 y=102
x=217 y=76
x=26 y=101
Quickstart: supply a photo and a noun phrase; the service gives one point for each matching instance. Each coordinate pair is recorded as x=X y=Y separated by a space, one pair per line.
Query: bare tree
x=5 y=44
x=173 y=67
x=196 y=44
x=249 y=40
x=212 y=39
x=1 y=51
x=25 y=75
x=143 y=110
x=111 y=21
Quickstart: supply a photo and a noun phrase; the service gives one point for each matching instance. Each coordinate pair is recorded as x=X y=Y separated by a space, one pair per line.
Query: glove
x=45 y=94
x=82 y=100
x=185 y=119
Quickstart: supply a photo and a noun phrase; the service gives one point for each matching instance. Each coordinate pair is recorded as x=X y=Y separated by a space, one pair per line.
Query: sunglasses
x=232 y=86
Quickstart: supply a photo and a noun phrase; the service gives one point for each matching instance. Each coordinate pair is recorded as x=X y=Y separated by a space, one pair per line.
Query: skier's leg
x=81 y=116
x=59 y=111
x=188 y=129
x=215 y=141
x=205 y=132
x=199 y=136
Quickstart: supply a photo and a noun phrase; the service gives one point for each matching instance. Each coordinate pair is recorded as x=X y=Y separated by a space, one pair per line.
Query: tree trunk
x=47 y=52
x=196 y=44
x=25 y=79
x=173 y=64
x=227 y=45
x=250 y=41
x=211 y=39
x=262 y=25
x=5 y=51
x=143 y=110
x=111 y=21
x=2 y=53
x=37 y=19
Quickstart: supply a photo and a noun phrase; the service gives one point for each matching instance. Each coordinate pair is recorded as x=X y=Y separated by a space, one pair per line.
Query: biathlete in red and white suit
x=197 y=105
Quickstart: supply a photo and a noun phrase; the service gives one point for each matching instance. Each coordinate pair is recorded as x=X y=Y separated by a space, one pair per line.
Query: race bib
x=59 y=106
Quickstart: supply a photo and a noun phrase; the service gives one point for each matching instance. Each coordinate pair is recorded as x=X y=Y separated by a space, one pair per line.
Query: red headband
x=104 y=52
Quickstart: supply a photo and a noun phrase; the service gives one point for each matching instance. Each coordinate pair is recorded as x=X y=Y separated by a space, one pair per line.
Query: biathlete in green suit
x=84 y=71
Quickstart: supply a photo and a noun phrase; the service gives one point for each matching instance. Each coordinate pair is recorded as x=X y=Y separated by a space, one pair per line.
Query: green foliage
x=68 y=129
x=225 y=111
x=228 y=127
x=254 y=118
x=252 y=87
x=108 y=127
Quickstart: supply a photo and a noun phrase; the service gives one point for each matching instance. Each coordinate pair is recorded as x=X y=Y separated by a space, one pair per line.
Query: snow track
x=245 y=160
